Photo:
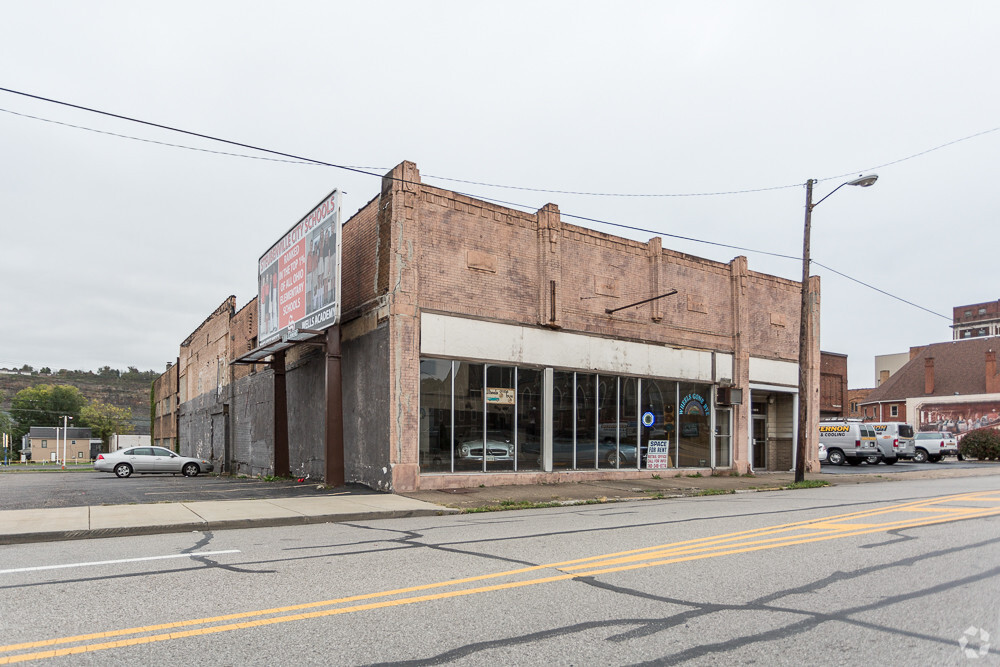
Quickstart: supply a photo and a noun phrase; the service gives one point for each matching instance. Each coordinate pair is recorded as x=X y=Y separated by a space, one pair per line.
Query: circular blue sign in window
x=648 y=419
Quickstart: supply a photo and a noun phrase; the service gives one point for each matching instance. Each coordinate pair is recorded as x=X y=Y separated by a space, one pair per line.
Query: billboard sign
x=298 y=277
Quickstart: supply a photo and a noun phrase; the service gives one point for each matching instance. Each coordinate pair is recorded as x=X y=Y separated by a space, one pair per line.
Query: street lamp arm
x=861 y=181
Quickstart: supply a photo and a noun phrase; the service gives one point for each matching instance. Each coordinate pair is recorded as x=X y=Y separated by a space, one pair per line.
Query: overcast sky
x=115 y=250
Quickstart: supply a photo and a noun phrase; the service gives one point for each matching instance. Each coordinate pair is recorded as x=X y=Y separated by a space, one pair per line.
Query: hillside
x=130 y=390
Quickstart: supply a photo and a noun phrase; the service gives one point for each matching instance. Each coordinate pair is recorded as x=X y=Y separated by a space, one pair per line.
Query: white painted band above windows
x=460 y=338
x=774 y=372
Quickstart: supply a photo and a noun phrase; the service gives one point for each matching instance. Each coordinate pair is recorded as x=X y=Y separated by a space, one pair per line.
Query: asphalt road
x=893 y=574
x=36 y=490
x=899 y=467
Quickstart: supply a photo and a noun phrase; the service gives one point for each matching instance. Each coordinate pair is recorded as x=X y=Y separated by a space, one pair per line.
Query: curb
x=97 y=533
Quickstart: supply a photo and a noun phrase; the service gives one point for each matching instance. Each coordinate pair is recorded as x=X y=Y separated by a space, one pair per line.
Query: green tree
x=105 y=419
x=44 y=405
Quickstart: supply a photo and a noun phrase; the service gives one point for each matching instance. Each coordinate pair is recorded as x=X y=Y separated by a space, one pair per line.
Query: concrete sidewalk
x=70 y=523
x=53 y=524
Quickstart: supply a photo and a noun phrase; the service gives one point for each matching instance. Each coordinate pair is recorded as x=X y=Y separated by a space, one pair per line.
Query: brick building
x=976 y=320
x=484 y=345
x=950 y=386
x=165 y=404
x=833 y=402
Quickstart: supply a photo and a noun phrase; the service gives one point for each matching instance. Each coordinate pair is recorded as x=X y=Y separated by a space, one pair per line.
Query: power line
x=881 y=291
x=365 y=171
x=153 y=141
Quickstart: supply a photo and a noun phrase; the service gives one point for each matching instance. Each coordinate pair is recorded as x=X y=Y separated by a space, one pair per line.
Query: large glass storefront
x=477 y=417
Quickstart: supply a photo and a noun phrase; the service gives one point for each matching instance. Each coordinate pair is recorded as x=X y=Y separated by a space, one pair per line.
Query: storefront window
x=628 y=415
x=694 y=438
x=586 y=420
x=477 y=417
x=658 y=414
x=469 y=423
x=562 y=419
x=501 y=397
x=608 y=429
x=529 y=419
x=435 y=415
x=723 y=439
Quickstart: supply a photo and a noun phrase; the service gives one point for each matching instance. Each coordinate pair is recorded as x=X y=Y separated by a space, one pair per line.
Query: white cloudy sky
x=114 y=250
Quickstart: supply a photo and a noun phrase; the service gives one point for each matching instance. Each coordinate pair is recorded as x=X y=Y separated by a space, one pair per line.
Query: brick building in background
x=951 y=386
x=976 y=320
x=482 y=345
x=165 y=404
x=833 y=403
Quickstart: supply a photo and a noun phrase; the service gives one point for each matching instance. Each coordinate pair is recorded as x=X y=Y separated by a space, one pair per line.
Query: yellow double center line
x=907 y=515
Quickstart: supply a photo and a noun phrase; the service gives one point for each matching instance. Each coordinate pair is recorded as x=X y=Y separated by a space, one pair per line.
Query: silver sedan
x=124 y=462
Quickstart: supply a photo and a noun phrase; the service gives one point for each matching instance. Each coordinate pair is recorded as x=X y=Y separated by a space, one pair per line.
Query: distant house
x=951 y=386
x=46 y=443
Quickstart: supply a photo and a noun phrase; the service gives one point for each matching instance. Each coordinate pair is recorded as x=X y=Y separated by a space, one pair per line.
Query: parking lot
x=949 y=463
x=27 y=489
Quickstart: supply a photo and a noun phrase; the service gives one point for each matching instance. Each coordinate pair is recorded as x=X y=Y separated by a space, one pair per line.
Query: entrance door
x=759 y=442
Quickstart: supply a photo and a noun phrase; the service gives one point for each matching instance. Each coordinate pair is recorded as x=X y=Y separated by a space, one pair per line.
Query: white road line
x=123 y=560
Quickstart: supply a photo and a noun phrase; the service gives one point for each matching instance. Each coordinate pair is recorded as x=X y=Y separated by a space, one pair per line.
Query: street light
x=806 y=332
x=65 y=418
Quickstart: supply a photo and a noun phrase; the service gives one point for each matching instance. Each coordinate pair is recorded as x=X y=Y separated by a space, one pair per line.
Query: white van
x=895 y=441
x=848 y=440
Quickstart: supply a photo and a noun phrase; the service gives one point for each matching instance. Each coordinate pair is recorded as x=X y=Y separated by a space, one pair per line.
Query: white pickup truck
x=933 y=446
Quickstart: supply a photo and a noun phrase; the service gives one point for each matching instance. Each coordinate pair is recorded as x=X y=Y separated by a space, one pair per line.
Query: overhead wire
x=368 y=171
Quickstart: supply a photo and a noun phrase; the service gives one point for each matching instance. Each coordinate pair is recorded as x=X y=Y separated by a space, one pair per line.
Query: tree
x=44 y=405
x=45 y=370
x=105 y=419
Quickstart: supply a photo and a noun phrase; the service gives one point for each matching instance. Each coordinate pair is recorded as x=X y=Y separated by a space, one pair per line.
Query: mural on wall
x=959 y=418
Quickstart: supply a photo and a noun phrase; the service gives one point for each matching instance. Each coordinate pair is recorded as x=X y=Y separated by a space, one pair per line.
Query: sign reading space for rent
x=658 y=454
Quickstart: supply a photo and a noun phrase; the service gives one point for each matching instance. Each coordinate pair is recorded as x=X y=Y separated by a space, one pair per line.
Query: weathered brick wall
x=774 y=305
x=367 y=443
x=440 y=251
x=358 y=266
x=204 y=355
x=243 y=339
x=252 y=424
x=165 y=398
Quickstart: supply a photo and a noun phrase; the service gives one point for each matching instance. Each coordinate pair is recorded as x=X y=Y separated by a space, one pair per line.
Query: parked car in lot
x=895 y=442
x=848 y=441
x=145 y=460
x=933 y=446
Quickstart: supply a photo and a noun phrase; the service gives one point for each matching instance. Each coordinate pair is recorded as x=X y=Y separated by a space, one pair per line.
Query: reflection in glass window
x=694 y=441
x=723 y=439
x=469 y=425
x=658 y=400
x=500 y=403
x=608 y=431
x=529 y=419
x=586 y=420
x=435 y=415
x=628 y=415
x=562 y=420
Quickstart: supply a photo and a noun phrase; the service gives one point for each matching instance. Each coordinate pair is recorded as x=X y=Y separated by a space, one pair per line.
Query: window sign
x=499 y=396
x=648 y=419
x=658 y=454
